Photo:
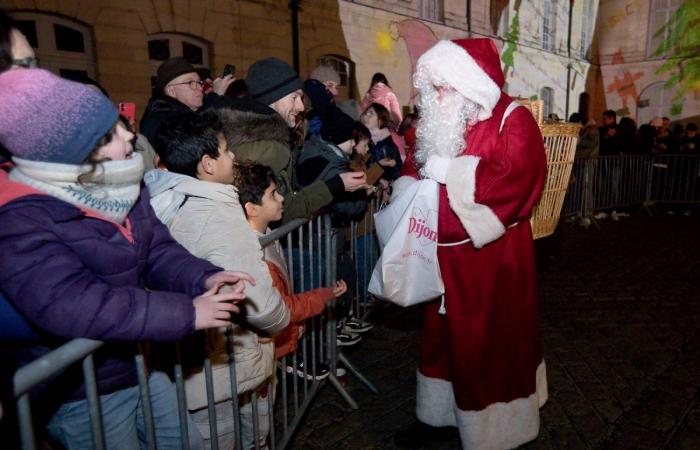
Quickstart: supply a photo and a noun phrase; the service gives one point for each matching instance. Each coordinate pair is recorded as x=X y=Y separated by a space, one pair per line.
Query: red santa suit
x=481 y=364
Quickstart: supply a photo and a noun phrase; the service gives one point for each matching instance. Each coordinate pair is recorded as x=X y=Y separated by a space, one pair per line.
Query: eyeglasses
x=28 y=63
x=193 y=84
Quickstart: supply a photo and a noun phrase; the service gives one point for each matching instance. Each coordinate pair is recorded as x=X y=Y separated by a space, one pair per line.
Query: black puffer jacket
x=321 y=160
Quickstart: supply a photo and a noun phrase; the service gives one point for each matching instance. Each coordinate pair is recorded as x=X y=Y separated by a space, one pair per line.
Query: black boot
x=418 y=434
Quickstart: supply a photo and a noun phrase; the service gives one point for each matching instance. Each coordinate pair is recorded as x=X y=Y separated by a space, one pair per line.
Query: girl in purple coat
x=79 y=243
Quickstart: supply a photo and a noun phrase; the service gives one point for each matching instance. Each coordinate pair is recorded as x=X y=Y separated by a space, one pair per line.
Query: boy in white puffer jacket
x=195 y=198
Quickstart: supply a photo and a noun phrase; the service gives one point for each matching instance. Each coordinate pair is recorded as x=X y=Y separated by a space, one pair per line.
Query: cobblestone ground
x=620 y=313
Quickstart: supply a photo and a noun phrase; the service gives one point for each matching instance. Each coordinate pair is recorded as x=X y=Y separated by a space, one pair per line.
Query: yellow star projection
x=385 y=43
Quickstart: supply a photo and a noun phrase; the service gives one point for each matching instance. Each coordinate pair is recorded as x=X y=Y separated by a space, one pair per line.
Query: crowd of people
x=150 y=233
x=623 y=137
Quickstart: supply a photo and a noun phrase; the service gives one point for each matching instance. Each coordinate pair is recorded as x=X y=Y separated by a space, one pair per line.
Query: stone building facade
x=555 y=50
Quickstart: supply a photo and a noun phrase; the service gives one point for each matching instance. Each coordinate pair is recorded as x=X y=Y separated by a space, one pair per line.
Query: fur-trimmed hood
x=241 y=127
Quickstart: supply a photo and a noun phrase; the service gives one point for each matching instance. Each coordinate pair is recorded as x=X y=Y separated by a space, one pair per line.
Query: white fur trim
x=436 y=168
x=498 y=426
x=481 y=223
x=454 y=65
x=400 y=185
x=507 y=112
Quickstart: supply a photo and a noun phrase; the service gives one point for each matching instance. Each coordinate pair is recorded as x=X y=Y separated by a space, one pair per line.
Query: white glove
x=436 y=168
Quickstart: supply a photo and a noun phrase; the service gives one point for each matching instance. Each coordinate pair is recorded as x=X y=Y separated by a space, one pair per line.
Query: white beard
x=441 y=129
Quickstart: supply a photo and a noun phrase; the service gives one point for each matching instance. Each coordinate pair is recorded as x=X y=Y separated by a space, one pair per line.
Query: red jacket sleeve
x=303 y=305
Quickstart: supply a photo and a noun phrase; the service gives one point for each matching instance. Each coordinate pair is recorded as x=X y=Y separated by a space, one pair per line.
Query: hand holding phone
x=229 y=69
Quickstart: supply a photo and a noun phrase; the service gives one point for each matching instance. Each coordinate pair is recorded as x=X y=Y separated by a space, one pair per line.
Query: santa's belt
x=454 y=244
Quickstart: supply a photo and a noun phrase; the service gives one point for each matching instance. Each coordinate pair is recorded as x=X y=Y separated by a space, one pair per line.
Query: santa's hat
x=470 y=66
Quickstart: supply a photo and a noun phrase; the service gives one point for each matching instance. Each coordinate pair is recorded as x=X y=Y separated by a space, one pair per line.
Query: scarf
x=114 y=188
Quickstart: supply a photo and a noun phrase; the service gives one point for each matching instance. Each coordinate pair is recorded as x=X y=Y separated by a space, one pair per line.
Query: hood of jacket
x=169 y=191
x=378 y=92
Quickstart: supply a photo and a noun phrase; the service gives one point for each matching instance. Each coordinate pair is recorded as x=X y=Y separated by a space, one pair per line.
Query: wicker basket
x=560 y=143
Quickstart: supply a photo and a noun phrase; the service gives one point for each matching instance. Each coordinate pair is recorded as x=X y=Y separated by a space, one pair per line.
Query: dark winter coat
x=387 y=149
x=264 y=139
x=162 y=108
x=320 y=160
x=72 y=276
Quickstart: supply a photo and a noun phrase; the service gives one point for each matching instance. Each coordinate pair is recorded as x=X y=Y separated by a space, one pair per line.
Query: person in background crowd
x=628 y=138
x=327 y=75
x=80 y=245
x=15 y=51
x=196 y=200
x=690 y=142
x=587 y=146
x=608 y=134
x=324 y=157
x=482 y=369
x=383 y=149
x=321 y=101
x=178 y=90
x=666 y=122
x=380 y=92
x=238 y=89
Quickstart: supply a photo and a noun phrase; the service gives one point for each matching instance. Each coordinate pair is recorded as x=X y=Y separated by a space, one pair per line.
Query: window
x=163 y=46
x=659 y=14
x=585 y=28
x=499 y=17
x=547 y=97
x=655 y=101
x=584 y=101
x=549 y=16
x=63 y=46
x=432 y=10
x=346 y=71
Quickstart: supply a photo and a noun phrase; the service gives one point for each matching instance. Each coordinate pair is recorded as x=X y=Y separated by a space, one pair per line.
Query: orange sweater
x=301 y=307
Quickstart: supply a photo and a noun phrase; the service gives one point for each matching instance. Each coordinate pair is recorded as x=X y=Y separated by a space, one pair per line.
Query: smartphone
x=128 y=110
x=229 y=69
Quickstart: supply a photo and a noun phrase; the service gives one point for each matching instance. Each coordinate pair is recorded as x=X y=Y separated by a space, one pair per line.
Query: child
x=262 y=204
x=195 y=198
x=383 y=148
x=80 y=243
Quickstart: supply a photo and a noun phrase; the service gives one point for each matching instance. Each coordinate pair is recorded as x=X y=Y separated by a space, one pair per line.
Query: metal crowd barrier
x=614 y=182
x=674 y=179
x=309 y=249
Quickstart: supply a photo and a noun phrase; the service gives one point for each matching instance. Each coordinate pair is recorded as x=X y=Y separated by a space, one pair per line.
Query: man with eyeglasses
x=178 y=89
x=15 y=51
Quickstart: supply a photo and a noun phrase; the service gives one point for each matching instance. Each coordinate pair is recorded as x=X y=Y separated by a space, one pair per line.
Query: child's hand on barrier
x=340 y=288
x=233 y=281
x=213 y=309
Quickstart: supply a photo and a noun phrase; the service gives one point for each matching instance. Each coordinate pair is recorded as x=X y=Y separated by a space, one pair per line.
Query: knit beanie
x=324 y=73
x=171 y=69
x=46 y=118
x=318 y=94
x=270 y=79
x=337 y=127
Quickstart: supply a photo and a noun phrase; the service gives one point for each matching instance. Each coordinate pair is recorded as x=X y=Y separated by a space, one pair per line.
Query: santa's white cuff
x=436 y=168
x=480 y=222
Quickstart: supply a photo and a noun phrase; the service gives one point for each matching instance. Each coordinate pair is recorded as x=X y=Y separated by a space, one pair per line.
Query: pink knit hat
x=46 y=118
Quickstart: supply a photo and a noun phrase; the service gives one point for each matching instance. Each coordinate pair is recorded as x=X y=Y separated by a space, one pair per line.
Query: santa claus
x=481 y=366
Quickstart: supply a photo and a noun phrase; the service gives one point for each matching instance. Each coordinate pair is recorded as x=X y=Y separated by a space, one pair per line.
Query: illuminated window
x=432 y=10
x=547 y=97
x=660 y=13
x=549 y=16
x=63 y=46
x=163 y=46
x=345 y=69
x=585 y=29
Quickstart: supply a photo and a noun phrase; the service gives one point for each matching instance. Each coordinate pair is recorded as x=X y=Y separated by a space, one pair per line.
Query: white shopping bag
x=407 y=272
